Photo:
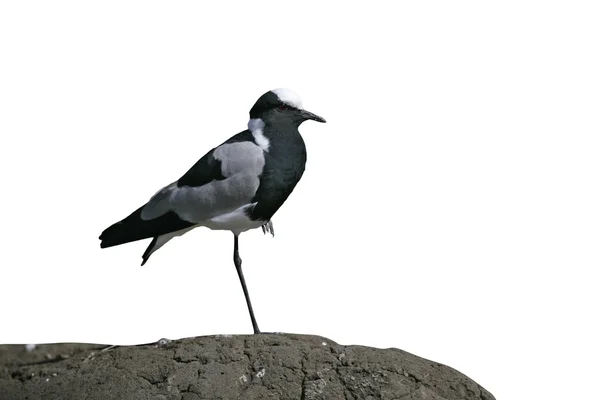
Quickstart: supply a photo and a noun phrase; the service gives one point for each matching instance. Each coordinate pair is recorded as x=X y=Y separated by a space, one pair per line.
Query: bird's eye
x=282 y=107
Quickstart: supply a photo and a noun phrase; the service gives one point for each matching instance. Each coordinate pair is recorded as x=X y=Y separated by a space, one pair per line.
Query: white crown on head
x=288 y=97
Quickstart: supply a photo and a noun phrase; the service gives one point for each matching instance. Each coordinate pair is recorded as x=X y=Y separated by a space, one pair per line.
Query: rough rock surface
x=266 y=366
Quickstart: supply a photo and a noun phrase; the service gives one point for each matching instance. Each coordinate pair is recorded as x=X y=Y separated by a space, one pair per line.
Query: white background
x=450 y=206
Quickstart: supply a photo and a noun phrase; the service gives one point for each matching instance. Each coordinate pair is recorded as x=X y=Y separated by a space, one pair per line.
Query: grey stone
x=265 y=366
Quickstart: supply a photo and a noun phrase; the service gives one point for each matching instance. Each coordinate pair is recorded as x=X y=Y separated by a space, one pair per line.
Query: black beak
x=308 y=115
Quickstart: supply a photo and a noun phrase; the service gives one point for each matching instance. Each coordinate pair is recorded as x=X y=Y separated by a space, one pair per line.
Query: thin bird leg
x=238 y=266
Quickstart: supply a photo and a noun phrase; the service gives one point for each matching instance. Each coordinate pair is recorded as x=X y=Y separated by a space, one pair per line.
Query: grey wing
x=224 y=180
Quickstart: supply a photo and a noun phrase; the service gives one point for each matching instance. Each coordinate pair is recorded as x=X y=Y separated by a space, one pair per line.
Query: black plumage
x=284 y=166
x=135 y=228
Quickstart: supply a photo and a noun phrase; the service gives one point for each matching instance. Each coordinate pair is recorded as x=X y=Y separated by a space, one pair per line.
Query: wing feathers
x=222 y=181
x=159 y=203
x=135 y=228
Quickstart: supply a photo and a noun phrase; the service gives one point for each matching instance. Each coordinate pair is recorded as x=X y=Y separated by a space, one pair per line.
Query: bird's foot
x=268 y=227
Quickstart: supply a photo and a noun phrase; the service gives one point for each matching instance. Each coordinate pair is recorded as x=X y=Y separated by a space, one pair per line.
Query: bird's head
x=282 y=106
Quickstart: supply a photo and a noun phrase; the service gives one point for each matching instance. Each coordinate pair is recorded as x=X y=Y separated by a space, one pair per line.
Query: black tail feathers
x=135 y=228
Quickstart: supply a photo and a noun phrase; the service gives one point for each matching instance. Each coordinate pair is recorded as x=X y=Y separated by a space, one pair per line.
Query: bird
x=237 y=186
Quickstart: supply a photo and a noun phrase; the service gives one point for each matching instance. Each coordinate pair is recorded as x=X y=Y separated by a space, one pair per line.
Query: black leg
x=238 y=266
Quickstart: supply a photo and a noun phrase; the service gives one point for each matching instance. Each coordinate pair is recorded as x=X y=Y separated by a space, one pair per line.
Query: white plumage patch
x=289 y=97
x=236 y=221
x=163 y=239
x=256 y=126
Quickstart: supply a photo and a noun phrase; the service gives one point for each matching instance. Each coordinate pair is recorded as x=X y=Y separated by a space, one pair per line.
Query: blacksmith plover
x=237 y=186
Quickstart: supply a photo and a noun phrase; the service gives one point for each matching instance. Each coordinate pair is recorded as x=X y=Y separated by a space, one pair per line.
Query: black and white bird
x=237 y=186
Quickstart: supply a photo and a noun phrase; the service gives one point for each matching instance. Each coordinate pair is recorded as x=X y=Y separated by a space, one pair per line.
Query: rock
x=266 y=366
